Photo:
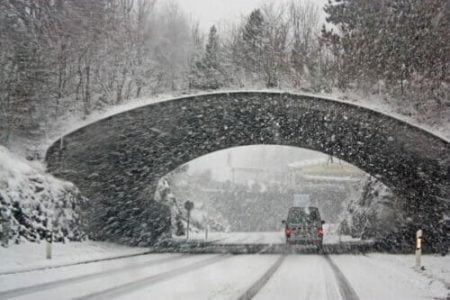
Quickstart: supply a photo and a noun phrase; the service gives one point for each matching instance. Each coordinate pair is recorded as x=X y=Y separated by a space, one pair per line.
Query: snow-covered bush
x=29 y=198
x=200 y=215
x=374 y=215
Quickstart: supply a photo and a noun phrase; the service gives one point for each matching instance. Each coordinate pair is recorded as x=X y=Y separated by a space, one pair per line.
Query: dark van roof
x=305 y=208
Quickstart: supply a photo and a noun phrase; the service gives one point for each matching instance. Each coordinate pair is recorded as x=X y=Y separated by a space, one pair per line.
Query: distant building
x=329 y=182
x=323 y=171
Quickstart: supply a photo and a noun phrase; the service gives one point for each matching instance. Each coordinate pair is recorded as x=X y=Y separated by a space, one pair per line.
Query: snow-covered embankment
x=29 y=198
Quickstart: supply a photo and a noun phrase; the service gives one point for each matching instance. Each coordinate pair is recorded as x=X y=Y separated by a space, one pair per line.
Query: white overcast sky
x=213 y=12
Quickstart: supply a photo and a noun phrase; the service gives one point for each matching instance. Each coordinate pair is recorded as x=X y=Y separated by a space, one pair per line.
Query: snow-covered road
x=262 y=237
x=175 y=276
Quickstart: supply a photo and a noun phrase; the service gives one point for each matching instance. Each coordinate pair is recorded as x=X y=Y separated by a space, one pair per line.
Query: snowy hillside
x=29 y=198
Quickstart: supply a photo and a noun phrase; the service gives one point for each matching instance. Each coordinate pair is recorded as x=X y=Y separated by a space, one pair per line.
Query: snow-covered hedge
x=200 y=216
x=29 y=198
x=374 y=215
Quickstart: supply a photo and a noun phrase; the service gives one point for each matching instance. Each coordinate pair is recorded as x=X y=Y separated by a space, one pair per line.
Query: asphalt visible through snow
x=221 y=276
x=239 y=277
x=259 y=274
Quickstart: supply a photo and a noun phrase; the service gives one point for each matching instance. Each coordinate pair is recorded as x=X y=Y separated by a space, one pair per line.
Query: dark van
x=304 y=226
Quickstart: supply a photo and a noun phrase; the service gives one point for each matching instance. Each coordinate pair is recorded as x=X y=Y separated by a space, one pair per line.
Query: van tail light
x=320 y=232
x=288 y=231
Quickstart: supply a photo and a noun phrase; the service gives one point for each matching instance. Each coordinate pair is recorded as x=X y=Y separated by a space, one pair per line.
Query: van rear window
x=300 y=215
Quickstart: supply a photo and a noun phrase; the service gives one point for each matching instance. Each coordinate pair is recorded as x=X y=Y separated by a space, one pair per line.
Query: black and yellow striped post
x=418 y=248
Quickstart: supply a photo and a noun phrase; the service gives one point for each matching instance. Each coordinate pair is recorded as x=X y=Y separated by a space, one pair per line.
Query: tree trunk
x=87 y=91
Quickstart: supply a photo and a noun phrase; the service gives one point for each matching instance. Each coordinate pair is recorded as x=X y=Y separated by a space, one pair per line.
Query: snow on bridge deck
x=70 y=124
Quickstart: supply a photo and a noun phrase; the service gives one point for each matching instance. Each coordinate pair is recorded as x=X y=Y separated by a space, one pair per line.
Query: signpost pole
x=188 y=205
x=188 y=218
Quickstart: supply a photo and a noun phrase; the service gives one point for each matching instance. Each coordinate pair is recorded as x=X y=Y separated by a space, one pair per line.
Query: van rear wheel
x=320 y=248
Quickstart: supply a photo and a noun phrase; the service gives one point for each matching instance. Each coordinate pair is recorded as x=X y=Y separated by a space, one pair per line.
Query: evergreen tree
x=211 y=61
x=251 y=45
x=207 y=72
x=212 y=49
x=195 y=76
x=260 y=49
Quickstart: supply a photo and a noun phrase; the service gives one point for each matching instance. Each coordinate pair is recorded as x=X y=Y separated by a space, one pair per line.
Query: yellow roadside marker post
x=418 y=248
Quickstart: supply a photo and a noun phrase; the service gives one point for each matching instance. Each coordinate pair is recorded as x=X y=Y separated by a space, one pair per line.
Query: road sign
x=188 y=205
x=301 y=200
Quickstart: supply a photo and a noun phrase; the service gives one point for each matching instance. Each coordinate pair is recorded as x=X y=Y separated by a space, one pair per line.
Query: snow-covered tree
x=404 y=44
x=207 y=72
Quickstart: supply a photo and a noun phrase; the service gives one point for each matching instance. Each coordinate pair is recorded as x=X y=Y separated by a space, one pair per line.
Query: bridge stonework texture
x=117 y=161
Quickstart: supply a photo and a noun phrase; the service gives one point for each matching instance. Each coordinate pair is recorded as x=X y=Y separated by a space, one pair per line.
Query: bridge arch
x=113 y=160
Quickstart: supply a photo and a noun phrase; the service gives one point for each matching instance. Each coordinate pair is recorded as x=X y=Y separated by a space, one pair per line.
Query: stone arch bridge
x=117 y=161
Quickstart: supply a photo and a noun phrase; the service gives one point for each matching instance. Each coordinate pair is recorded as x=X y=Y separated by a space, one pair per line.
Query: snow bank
x=29 y=198
x=436 y=267
x=29 y=256
x=384 y=276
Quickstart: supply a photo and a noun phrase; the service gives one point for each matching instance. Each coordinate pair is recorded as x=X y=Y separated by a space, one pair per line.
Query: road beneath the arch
x=269 y=237
x=212 y=276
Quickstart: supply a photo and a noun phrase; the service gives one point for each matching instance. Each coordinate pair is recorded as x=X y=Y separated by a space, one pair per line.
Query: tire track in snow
x=259 y=284
x=123 y=289
x=346 y=290
x=58 y=283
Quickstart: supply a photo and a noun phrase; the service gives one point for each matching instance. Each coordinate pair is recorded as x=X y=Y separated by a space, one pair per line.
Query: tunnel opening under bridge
x=241 y=195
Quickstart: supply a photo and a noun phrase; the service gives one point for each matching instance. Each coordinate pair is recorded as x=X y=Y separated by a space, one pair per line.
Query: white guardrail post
x=418 y=248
